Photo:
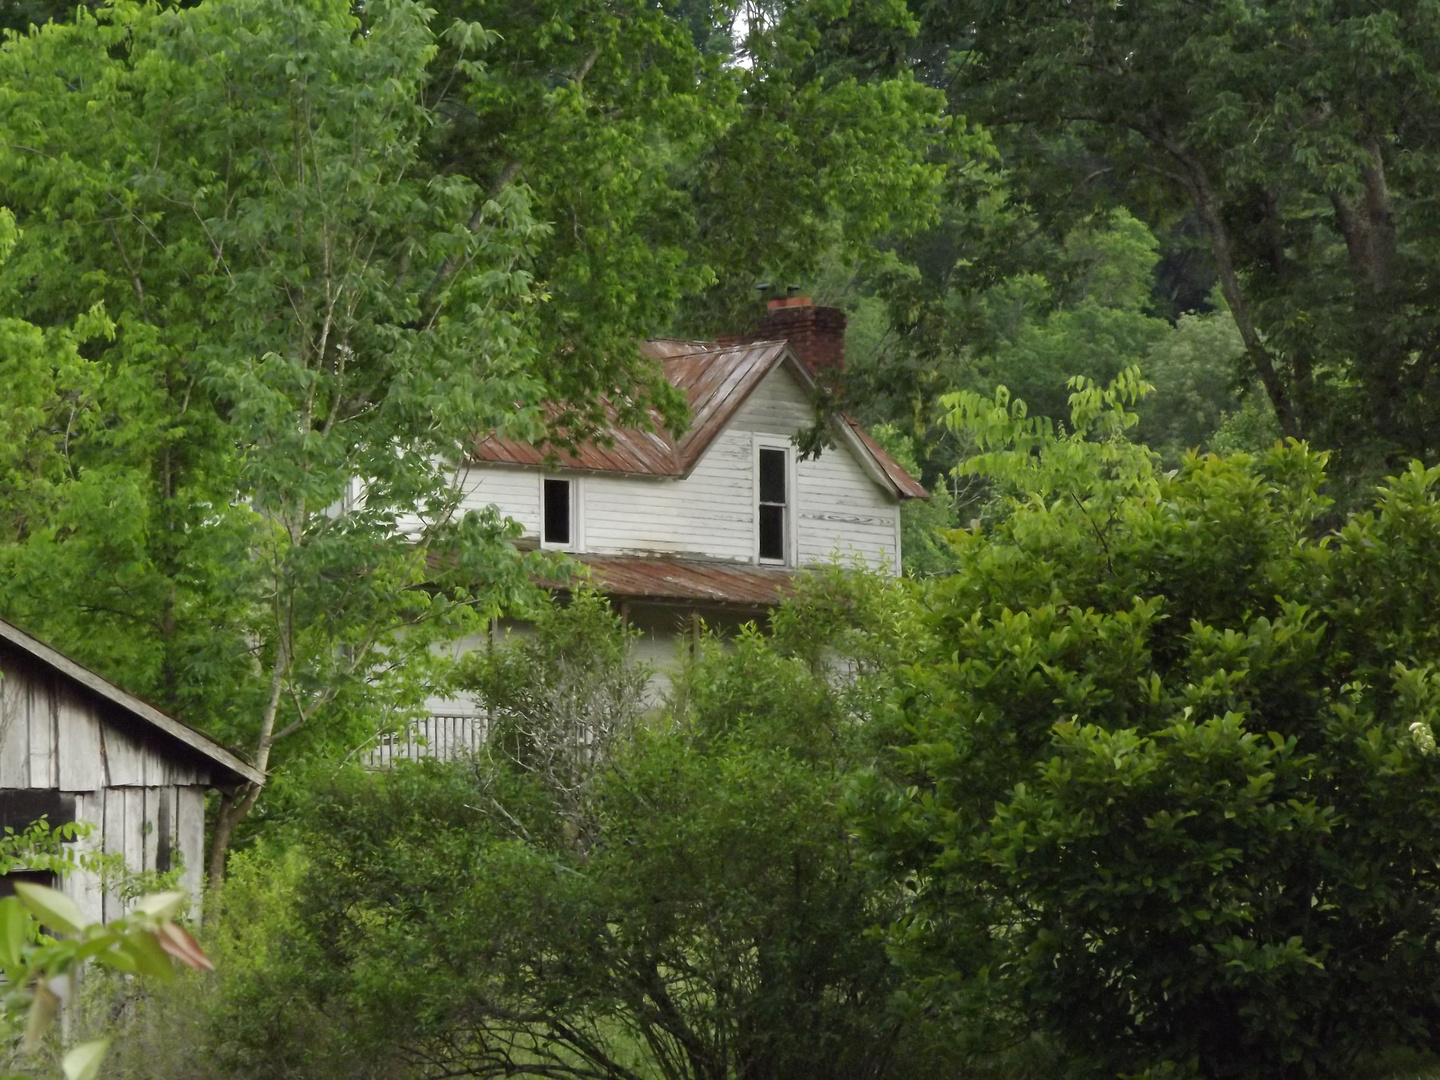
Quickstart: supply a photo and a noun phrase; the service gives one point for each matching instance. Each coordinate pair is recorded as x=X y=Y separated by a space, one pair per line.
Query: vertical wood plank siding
x=125 y=787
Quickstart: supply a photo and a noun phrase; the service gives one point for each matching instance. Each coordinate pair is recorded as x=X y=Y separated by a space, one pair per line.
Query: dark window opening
x=557 y=512
x=772 y=504
x=163 y=844
x=21 y=806
x=30 y=877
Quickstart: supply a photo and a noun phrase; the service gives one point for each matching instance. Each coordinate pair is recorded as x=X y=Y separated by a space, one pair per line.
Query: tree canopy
x=1132 y=773
x=1165 y=787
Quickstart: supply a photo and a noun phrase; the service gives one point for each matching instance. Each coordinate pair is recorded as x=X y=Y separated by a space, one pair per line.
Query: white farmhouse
x=712 y=525
x=708 y=528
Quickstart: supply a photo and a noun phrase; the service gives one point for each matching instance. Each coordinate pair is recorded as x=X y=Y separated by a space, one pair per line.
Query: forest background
x=1131 y=775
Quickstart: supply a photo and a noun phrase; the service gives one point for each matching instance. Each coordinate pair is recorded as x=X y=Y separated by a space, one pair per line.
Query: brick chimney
x=817 y=334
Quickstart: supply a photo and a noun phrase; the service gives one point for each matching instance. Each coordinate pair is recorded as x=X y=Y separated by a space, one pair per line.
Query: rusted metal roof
x=690 y=580
x=716 y=379
x=908 y=485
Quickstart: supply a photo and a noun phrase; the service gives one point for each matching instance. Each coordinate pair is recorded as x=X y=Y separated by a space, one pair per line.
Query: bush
x=681 y=902
x=1159 y=798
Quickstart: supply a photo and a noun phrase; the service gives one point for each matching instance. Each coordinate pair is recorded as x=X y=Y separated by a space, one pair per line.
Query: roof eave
x=182 y=733
x=853 y=442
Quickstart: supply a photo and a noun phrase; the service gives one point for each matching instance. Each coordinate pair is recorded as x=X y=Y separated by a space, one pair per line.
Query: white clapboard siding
x=710 y=512
x=515 y=491
x=840 y=509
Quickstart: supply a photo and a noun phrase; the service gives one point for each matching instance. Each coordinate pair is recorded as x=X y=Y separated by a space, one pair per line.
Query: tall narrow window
x=557 y=527
x=772 y=504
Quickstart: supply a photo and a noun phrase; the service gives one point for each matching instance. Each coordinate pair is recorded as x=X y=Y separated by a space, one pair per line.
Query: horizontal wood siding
x=843 y=513
x=711 y=513
x=839 y=510
x=515 y=491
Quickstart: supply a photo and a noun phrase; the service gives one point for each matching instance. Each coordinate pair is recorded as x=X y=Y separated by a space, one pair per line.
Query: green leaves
x=655 y=876
x=15 y=932
x=294 y=329
x=40 y=971
x=1277 y=134
x=83 y=1062
x=1165 y=760
x=52 y=907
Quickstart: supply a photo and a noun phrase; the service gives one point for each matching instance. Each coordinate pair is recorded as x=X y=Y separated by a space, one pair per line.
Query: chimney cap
x=789 y=301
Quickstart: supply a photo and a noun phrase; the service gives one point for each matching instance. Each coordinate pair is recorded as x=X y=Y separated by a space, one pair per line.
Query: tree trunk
x=235 y=806
x=1207 y=205
x=1366 y=221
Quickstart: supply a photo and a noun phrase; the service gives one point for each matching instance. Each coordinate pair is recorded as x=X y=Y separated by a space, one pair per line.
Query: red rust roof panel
x=908 y=485
x=716 y=379
x=695 y=580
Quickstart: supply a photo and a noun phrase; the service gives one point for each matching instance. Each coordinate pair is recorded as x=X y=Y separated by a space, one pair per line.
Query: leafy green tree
x=923 y=522
x=681 y=166
x=691 y=911
x=302 y=239
x=1089 y=314
x=1165 y=791
x=1297 y=135
x=1094 y=323
x=246 y=472
x=1193 y=371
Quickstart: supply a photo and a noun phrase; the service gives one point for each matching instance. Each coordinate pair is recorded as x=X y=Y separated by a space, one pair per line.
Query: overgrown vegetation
x=1131 y=775
x=1143 y=787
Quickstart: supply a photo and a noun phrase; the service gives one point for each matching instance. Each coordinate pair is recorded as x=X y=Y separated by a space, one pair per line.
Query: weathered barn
x=75 y=747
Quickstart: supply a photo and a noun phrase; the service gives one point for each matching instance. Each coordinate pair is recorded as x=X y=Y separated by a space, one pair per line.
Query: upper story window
x=557 y=509
x=773 y=510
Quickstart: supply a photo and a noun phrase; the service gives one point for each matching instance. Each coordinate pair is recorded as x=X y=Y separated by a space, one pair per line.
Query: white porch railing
x=439 y=736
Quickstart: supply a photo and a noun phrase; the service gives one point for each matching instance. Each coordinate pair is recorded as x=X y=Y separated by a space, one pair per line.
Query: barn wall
x=839 y=510
x=144 y=804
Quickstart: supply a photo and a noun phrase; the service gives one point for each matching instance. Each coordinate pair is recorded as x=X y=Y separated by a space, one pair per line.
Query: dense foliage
x=1133 y=775
x=670 y=896
x=1166 y=792
x=277 y=263
x=1284 y=150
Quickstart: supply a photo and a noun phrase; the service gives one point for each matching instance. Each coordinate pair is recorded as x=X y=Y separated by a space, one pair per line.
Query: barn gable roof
x=170 y=731
x=716 y=380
